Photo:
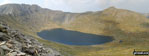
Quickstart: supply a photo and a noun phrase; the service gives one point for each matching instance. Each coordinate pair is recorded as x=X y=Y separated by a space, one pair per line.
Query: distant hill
x=109 y=19
x=124 y=25
x=33 y=16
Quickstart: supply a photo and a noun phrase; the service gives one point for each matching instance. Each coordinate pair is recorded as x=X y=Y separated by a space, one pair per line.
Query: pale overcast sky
x=141 y=6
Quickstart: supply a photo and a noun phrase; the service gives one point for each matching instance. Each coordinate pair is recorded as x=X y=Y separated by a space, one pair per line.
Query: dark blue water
x=73 y=37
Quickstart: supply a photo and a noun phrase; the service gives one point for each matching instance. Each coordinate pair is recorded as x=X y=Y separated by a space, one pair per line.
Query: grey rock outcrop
x=14 y=43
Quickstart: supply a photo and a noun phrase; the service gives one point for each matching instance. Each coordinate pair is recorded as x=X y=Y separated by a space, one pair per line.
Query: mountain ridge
x=15 y=43
x=128 y=28
x=36 y=17
x=32 y=15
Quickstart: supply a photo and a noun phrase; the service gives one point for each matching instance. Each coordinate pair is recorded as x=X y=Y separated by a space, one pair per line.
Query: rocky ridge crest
x=14 y=43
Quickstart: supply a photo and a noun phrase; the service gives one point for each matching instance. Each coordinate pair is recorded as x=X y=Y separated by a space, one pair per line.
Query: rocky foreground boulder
x=14 y=43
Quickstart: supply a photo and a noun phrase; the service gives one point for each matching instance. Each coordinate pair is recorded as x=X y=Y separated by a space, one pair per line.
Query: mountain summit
x=19 y=10
x=36 y=17
x=128 y=28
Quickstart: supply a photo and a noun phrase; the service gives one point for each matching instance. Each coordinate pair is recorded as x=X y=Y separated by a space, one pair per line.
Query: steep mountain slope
x=34 y=16
x=125 y=26
x=105 y=21
x=14 y=43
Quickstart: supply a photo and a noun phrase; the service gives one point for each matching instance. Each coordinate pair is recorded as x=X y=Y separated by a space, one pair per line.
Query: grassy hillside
x=129 y=29
x=126 y=26
x=127 y=21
